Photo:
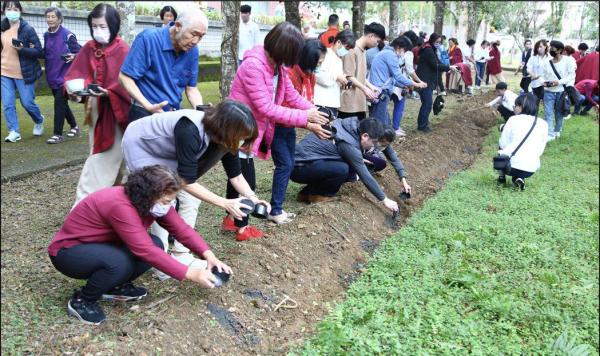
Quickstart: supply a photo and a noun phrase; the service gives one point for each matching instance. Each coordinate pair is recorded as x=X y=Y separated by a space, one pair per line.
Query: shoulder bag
x=563 y=104
x=502 y=161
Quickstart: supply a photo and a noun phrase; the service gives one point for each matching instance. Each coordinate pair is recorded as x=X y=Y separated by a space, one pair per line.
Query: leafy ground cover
x=484 y=269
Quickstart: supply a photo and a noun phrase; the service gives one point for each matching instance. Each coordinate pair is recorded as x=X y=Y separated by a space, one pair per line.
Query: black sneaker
x=425 y=129
x=87 y=312
x=126 y=292
x=520 y=183
x=501 y=180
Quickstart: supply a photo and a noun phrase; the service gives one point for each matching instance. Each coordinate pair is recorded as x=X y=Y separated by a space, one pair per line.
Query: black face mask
x=553 y=53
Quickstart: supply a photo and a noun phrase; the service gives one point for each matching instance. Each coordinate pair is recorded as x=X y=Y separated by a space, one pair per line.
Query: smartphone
x=548 y=84
x=17 y=42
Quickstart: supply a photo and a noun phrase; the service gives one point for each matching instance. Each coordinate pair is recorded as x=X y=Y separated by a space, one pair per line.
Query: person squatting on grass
x=19 y=70
x=262 y=83
x=302 y=76
x=504 y=101
x=106 y=109
x=527 y=159
x=104 y=240
x=191 y=142
x=324 y=165
x=162 y=63
x=554 y=87
x=60 y=48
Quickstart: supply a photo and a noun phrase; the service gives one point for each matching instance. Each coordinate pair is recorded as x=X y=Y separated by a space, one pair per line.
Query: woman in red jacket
x=456 y=59
x=494 y=67
x=104 y=240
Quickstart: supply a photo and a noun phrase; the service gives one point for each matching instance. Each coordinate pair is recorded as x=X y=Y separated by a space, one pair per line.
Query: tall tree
x=438 y=21
x=127 y=13
x=292 y=13
x=472 y=23
x=394 y=24
x=358 y=17
x=229 y=45
x=553 y=25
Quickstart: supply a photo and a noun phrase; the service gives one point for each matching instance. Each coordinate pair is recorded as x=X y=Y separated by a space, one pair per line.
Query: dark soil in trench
x=281 y=284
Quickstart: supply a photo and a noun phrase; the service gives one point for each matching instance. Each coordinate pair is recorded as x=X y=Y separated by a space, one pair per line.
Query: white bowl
x=75 y=85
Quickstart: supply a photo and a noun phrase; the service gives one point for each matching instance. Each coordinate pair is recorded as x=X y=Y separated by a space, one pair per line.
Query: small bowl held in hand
x=248 y=202
x=260 y=211
x=222 y=277
x=404 y=196
x=93 y=87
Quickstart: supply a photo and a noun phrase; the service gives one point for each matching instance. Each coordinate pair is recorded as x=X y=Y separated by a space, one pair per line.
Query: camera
x=221 y=277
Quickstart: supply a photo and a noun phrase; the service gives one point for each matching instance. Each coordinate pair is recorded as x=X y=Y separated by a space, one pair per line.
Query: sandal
x=282 y=218
x=55 y=139
x=74 y=132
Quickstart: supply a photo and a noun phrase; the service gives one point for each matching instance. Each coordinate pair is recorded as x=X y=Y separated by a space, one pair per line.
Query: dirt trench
x=282 y=283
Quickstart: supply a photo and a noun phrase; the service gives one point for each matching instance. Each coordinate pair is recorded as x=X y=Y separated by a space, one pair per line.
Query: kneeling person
x=323 y=165
x=505 y=101
x=104 y=240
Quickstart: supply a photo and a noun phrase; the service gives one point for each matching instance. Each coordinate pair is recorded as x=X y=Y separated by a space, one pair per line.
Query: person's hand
x=19 y=47
x=212 y=261
x=319 y=131
x=342 y=80
x=234 y=206
x=454 y=68
x=70 y=58
x=492 y=57
x=72 y=97
x=317 y=117
x=554 y=83
x=156 y=108
x=101 y=92
x=255 y=200
x=406 y=187
x=203 y=277
x=421 y=85
x=371 y=95
x=390 y=204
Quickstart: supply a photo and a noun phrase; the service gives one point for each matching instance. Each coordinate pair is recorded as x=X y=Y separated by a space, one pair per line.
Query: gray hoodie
x=344 y=147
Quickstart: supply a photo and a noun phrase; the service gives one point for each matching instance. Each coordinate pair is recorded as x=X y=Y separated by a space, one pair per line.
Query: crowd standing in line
x=142 y=179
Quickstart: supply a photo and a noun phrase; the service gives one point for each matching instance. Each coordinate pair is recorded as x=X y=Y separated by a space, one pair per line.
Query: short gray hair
x=192 y=16
x=56 y=11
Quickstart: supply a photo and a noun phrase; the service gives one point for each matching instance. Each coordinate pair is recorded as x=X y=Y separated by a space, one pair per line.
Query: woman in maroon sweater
x=104 y=240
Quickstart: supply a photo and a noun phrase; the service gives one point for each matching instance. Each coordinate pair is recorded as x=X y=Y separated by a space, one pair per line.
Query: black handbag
x=563 y=104
x=502 y=161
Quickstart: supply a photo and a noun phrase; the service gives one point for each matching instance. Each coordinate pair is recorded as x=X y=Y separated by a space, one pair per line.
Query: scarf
x=106 y=64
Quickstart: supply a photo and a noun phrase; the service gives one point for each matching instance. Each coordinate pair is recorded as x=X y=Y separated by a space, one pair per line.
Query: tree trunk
x=472 y=24
x=358 y=17
x=438 y=22
x=229 y=45
x=127 y=13
x=394 y=20
x=292 y=13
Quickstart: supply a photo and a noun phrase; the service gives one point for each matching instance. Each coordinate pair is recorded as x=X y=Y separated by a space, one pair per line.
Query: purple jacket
x=253 y=86
x=56 y=44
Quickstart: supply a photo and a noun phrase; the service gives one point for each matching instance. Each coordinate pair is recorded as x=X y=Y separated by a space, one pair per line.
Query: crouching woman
x=104 y=240
x=526 y=160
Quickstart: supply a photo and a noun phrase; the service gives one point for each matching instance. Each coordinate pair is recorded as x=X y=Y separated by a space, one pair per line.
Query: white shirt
x=249 y=37
x=482 y=53
x=535 y=67
x=507 y=100
x=566 y=68
x=528 y=157
x=327 y=89
x=409 y=67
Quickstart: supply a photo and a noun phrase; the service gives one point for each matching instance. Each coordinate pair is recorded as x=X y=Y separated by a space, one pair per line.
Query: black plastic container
x=248 y=202
x=222 y=277
x=404 y=196
x=260 y=211
x=93 y=87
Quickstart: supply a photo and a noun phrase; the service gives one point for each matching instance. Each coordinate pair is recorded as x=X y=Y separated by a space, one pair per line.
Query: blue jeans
x=426 y=95
x=398 y=111
x=550 y=113
x=380 y=109
x=479 y=70
x=27 y=98
x=321 y=177
x=282 y=151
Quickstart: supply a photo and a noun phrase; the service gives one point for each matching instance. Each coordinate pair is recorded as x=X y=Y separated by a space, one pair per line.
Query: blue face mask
x=317 y=70
x=13 y=16
x=437 y=45
x=342 y=51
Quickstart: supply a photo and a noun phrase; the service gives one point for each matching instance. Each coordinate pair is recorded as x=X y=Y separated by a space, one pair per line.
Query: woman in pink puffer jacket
x=262 y=83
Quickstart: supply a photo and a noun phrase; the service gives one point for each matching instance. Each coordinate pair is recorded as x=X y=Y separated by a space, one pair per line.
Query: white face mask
x=158 y=210
x=102 y=35
x=13 y=16
x=241 y=143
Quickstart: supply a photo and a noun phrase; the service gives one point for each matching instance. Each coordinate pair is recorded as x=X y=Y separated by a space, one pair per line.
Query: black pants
x=517 y=173
x=440 y=82
x=506 y=114
x=321 y=177
x=249 y=173
x=342 y=115
x=62 y=111
x=104 y=265
x=137 y=112
x=524 y=84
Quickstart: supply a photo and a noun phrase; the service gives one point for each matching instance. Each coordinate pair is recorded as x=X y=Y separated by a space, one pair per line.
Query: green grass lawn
x=33 y=153
x=484 y=269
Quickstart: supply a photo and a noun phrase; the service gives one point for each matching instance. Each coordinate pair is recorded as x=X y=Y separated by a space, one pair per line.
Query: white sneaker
x=568 y=117
x=400 y=133
x=443 y=93
x=282 y=218
x=551 y=138
x=38 y=129
x=556 y=134
x=476 y=88
x=161 y=275
x=13 y=136
x=189 y=260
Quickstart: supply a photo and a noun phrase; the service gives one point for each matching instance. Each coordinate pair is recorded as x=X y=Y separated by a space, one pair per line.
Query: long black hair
x=310 y=54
